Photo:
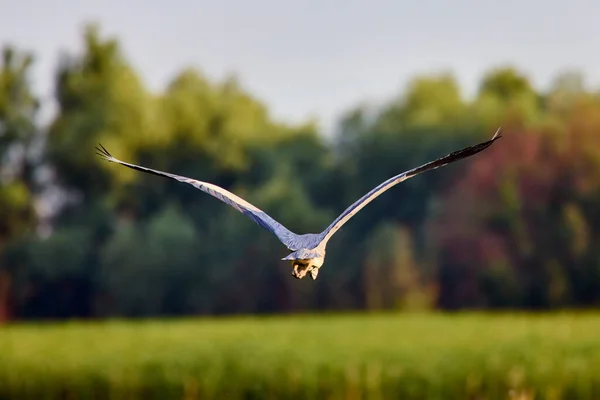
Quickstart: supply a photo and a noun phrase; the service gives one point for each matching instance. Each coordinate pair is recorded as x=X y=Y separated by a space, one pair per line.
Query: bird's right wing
x=254 y=213
x=367 y=198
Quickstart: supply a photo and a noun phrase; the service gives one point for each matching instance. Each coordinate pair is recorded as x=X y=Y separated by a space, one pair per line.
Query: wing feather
x=370 y=196
x=257 y=215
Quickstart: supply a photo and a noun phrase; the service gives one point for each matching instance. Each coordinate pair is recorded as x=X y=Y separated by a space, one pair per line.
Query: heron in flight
x=308 y=250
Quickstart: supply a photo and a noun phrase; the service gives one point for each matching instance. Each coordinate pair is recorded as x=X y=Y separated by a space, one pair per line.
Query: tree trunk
x=5 y=308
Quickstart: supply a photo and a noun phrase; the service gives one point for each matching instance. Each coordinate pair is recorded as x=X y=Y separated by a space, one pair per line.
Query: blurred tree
x=433 y=101
x=53 y=282
x=429 y=102
x=18 y=136
x=100 y=99
x=506 y=97
x=506 y=84
x=391 y=277
x=567 y=89
x=20 y=141
x=149 y=269
x=510 y=224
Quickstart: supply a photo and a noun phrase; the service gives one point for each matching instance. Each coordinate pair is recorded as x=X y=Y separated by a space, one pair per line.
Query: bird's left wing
x=367 y=198
x=287 y=237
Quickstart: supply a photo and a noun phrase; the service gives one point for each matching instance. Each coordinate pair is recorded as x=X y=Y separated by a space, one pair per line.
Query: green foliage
x=506 y=84
x=153 y=258
x=410 y=356
x=392 y=276
x=18 y=108
x=16 y=211
x=17 y=104
x=100 y=99
x=433 y=101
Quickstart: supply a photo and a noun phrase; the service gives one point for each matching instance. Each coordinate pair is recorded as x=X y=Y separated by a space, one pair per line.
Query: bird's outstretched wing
x=367 y=198
x=254 y=213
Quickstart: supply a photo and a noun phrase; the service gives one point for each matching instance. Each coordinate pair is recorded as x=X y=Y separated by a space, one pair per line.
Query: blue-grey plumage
x=308 y=250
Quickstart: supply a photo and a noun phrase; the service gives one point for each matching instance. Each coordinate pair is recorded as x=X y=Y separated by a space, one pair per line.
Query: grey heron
x=307 y=250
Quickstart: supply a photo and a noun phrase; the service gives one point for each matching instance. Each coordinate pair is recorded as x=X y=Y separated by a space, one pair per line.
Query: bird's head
x=302 y=254
x=305 y=261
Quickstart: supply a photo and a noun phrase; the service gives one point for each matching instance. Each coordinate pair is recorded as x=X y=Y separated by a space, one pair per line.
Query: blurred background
x=300 y=107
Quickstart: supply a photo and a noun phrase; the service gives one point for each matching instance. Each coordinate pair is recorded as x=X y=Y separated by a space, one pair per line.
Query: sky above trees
x=307 y=57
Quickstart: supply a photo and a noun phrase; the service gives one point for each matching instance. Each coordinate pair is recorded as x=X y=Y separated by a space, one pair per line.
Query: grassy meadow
x=404 y=356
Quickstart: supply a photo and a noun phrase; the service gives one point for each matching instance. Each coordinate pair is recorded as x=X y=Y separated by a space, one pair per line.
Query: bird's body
x=308 y=250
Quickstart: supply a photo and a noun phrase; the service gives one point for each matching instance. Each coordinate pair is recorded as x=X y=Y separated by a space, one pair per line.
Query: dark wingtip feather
x=106 y=151
x=102 y=152
x=498 y=134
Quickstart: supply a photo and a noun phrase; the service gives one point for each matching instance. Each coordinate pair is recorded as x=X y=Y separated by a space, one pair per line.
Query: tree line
x=517 y=226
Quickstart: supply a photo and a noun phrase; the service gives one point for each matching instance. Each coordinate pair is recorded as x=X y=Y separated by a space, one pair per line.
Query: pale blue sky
x=318 y=57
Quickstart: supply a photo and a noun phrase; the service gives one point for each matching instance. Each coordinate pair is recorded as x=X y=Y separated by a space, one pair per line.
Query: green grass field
x=401 y=356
